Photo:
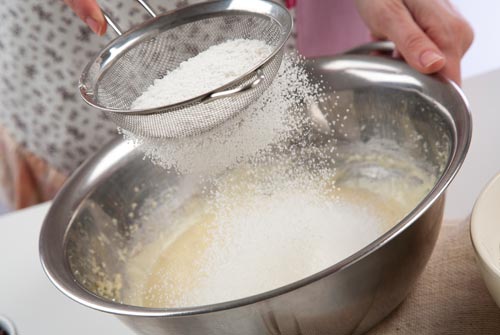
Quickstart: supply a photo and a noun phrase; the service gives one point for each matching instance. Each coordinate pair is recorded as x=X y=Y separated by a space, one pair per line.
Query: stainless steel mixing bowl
x=94 y=215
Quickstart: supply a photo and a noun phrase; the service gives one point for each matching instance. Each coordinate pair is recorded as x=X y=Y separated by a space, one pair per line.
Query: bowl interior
x=127 y=210
x=118 y=202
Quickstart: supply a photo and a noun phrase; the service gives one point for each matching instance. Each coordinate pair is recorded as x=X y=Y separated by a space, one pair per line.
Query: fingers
x=90 y=13
x=391 y=19
x=416 y=47
x=452 y=69
x=431 y=35
x=447 y=28
x=443 y=24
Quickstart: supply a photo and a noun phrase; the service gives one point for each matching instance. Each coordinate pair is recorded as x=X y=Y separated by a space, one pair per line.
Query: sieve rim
x=218 y=8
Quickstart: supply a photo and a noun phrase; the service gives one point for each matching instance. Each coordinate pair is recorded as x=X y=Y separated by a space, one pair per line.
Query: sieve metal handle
x=112 y=23
x=116 y=27
x=237 y=90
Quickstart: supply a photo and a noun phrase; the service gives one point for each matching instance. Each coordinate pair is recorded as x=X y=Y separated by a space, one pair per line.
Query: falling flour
x=217 y=66
x=241 y=251
x=263 y=227
x=267 y=213
x=273 y=118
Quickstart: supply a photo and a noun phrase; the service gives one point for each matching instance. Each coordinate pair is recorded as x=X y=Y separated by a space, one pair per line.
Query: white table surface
x=36 y=307
x=27 y=297
x=483 y=159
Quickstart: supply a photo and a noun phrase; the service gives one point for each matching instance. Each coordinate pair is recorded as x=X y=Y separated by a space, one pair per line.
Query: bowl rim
x=71 y=288
x=476 y=225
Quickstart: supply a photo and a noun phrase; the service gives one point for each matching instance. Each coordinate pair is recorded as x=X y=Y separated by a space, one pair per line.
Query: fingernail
x=93 y=24
x=429 y=58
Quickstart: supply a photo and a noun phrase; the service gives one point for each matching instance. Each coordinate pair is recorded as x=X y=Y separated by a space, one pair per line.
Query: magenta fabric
x=327 y=27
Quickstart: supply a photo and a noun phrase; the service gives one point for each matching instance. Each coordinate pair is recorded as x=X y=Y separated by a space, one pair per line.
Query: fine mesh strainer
x=125 y=68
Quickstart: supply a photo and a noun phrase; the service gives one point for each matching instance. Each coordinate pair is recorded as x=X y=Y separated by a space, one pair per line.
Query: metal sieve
x=129 y=64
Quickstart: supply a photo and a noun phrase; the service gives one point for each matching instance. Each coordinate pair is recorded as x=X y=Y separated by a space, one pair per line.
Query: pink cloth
x=327 y=27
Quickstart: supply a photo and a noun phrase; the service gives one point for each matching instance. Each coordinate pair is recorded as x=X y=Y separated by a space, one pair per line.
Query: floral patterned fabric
x=43 y=48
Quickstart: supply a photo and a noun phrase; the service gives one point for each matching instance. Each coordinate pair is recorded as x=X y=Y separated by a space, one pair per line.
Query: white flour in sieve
x=272 y=118
x=218 y=65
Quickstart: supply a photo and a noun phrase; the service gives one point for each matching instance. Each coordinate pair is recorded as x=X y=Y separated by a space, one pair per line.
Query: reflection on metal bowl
x=387 y=102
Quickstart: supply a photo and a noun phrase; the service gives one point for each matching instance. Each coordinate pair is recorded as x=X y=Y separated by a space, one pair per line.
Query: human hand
x=431 y=35
x=90 y=13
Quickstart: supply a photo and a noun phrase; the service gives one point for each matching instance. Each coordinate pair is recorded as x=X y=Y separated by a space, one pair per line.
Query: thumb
x=452 y=69
x=90 y=13
x=414 y=45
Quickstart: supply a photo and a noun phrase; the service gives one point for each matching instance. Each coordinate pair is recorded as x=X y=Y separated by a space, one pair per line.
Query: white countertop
x=27 y=297
x=483 y=159
x=481 y=70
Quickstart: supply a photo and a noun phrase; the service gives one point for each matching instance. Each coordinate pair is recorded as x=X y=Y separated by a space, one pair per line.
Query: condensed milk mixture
x=257 y=229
